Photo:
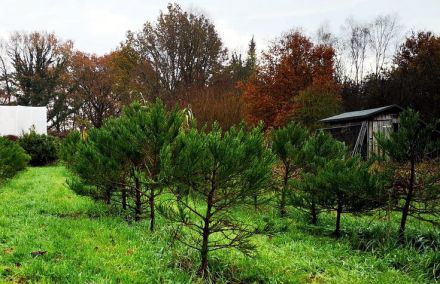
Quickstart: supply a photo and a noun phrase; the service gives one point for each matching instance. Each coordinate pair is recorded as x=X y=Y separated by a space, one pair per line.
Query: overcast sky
x=97 y=26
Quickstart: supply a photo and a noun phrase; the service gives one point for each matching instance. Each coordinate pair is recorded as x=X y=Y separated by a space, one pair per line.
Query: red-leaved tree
x=291 y=64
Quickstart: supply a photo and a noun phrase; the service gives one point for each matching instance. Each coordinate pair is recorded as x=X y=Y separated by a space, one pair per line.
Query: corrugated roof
x=360 y=114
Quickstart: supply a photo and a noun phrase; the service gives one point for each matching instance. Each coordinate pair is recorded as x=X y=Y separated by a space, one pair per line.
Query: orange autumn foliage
x=93 y=79
x=291 y=65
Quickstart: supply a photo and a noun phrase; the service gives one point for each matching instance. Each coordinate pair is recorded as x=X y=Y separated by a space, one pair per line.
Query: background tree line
x=181 y=59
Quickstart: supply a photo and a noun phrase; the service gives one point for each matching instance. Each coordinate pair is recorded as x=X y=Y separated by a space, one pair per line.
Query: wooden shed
x=358 y=128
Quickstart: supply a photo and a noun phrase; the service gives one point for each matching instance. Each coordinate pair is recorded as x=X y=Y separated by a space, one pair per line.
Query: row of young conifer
x=152 y=160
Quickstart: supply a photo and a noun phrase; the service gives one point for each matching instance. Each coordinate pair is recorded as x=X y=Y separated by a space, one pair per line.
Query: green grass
x=88 y=242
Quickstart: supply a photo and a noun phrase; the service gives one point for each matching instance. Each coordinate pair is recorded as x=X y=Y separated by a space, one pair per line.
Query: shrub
x=12 y=158
x=346 y=186
x=42 y=148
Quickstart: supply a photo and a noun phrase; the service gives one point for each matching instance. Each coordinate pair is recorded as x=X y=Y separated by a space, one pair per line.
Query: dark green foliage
x=240 y=69
x=78 y=186
x=69 y=147
x=95 y=163
x=286 y=144
x=12 y=158
x=149 y=131
x=413 y=174
x=42 y=148
x=312 y=105
x=211 y=174
x=122 y=158
x=183 y=49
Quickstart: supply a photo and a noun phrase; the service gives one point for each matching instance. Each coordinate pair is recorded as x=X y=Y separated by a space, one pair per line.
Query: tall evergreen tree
x=251 y=60
x=151 y=129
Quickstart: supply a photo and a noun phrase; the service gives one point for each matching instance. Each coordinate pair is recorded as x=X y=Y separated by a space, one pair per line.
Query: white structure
x=14 y=120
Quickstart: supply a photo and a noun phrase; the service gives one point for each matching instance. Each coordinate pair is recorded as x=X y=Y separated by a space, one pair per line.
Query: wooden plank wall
x=382 y=123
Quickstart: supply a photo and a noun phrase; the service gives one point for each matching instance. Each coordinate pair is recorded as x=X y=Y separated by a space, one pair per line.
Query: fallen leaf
x=8 y=250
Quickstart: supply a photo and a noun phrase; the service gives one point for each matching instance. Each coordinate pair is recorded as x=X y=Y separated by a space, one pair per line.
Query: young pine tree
x=151 y=130
x=314 y=155
x=97 y=160
x=407 y=152
x=286 y=145
x=123 y=157
x=346 y=185
x=211 y=174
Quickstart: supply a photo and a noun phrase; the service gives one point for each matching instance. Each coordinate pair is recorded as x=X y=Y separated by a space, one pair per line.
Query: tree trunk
x=405 y=209
x=137 y=201
x=284 y=192
x=314 y=213
x=107 y=195
x=204 y=250
x=152 y=213
x=205 y=238
x=337 y=232
x=124 y=198
x=255 y=201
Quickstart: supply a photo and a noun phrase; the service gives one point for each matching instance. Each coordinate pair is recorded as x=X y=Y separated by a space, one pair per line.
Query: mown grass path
x=48 y=234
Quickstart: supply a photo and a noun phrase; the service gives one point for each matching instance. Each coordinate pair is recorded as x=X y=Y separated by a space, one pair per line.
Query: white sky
x=97 y=26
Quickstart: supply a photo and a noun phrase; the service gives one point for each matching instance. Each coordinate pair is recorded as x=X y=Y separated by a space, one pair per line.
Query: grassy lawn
x=49 y=234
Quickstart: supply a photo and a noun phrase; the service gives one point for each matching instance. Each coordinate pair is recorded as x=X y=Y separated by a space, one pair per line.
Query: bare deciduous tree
x=324 y=36
x=6 y=87
x=356 y=44
x=383 y=31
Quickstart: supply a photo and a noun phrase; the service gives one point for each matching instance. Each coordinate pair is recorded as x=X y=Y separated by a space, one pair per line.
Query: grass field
x=50 y=235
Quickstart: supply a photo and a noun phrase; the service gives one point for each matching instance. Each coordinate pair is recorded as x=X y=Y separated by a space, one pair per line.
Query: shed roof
x=360 y=114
